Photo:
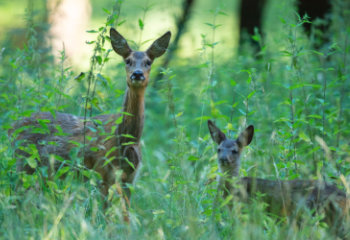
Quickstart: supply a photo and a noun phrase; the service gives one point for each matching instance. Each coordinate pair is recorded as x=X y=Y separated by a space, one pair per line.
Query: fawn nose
x=223 y=160
x=137 y=75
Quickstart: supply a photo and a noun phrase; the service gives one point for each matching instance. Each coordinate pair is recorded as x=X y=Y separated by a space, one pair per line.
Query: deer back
x=285 y=198
x=282 y=198
x=99 y=139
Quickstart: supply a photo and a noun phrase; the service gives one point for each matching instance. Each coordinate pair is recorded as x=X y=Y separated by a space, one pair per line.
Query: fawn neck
x=229 y=173
x=232 y=171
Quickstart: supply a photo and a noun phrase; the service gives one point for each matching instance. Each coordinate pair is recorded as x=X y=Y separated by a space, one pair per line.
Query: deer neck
x=230 y=171
x=134 y=106
x=229 y=174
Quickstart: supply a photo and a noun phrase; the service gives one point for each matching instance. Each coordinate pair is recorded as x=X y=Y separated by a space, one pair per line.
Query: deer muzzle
x=223 y=160
x=137 y=76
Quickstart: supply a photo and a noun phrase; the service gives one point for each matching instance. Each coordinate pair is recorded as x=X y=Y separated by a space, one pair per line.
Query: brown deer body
x=105 y=140
x=283 y=198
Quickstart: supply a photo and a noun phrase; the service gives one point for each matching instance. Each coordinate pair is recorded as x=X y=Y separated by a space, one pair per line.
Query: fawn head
x=229 y=150
x=138 y=64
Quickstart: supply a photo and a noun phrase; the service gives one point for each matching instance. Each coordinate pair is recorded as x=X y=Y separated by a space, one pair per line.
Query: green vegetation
x=297 y=98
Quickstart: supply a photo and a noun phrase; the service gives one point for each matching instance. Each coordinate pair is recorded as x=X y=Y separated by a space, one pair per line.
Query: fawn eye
x=128 y=62
x=148 y=63
x=219 y=150
x=234 y=151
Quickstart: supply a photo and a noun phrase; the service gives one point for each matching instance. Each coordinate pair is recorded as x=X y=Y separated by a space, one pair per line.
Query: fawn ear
x=246 y=137
x=159 y=46
x=119 y=43
x=216 y=133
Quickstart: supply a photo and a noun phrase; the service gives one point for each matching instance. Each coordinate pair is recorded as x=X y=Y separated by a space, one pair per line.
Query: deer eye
x=128 y=62
x=148 y=63
x=234 y=151
x=219 y=150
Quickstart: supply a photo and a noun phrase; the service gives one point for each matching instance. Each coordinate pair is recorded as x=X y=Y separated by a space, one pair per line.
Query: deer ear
x=119 y=43
x=216 y=134
x=246 y=137
x=159 y=46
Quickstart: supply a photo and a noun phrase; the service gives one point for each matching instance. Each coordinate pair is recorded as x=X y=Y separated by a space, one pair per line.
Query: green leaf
x=141 y=25
x=80 y=77
x=127 y=136
x=52 y=185
x=32 y=162
x=222 y=13
x=96 y=103
x=107 y=138
x=60 y=131
x=193 y=158
x=304 y=137
x=111 y=20
x=94 y=149
x=316 y=52
x=103 y=79
x=157 y=212
x=209 y=24
x=87 y=173
x=42 y=130
x=119 y=120
x=251 y=94
x=110 y=151
x=106 y=11
x=127 y=114
x=77 y=144
x=130 y=163
x=256 y=38
x=282 y=119
x=109 y=160
x=226 y=201
x=242 y=111
x=314 y=116
x=316 y=86
x=121 y=22
x=99 y=59
x=92 y=129
x=233 y=82
x=62 y=171
x=179 y=114
x=287 y=53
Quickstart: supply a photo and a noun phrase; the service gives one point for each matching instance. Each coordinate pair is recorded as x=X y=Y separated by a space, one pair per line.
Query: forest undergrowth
x=296 y=96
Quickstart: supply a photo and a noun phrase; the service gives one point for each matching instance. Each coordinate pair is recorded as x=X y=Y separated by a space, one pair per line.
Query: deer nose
x=137 y=75
x=223 y=160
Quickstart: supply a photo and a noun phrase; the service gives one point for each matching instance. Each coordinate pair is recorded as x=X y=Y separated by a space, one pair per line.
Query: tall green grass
x=292 y=93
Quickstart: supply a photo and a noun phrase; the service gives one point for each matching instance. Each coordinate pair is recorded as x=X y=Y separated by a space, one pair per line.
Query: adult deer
x=283 y=198
x=109 y=148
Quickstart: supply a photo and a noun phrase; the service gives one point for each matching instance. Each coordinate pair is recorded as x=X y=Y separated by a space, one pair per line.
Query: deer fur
x=284 y=198
x=42 y=129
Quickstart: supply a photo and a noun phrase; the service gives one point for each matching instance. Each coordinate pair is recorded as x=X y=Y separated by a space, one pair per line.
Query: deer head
x=138 y=64
x=229 y=150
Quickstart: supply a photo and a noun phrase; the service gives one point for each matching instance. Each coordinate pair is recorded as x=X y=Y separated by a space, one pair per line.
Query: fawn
x=283 y=198
x=114 y=147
